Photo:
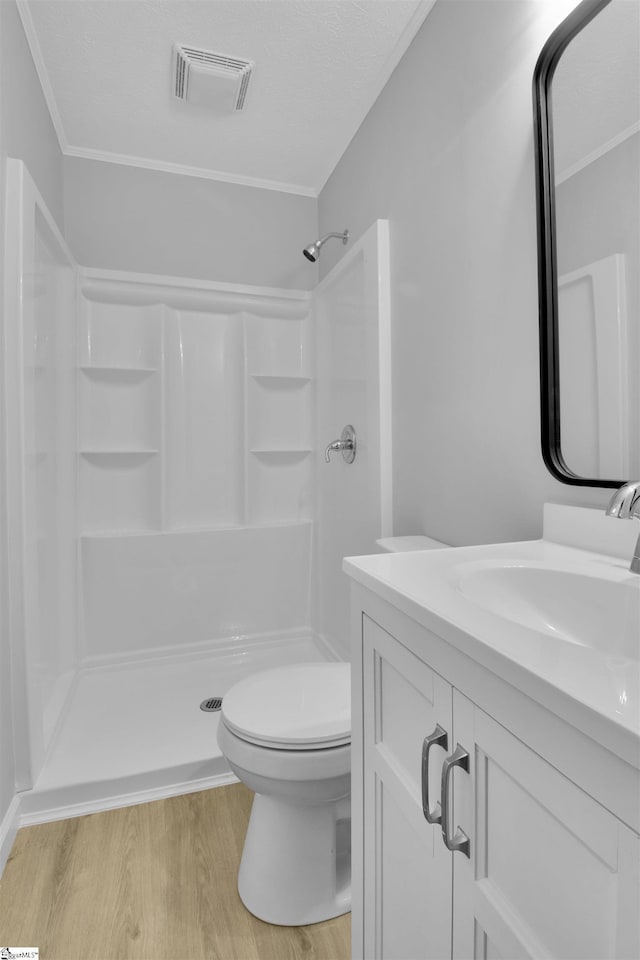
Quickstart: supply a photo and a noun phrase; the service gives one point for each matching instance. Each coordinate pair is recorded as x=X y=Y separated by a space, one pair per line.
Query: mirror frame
x=547 y=243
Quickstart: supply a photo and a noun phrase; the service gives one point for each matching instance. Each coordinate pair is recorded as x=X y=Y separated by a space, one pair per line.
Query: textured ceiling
x=596 y=86
x=105 y=66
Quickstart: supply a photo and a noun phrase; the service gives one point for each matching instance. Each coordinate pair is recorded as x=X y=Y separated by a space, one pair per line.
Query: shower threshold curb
x=78 y=800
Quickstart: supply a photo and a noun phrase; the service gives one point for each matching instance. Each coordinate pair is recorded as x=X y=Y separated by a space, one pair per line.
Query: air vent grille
x=233 y=68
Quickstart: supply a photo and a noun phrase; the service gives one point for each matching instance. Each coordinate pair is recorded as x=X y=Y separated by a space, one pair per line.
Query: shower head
x=312 y=252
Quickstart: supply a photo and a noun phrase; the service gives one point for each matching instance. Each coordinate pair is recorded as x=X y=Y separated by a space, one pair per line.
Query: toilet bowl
x=286 y=734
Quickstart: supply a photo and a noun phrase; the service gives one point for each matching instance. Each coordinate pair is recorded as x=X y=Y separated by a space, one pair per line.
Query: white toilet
x=286 y=733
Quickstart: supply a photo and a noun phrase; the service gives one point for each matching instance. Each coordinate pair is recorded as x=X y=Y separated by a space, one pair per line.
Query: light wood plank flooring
x=149 y=882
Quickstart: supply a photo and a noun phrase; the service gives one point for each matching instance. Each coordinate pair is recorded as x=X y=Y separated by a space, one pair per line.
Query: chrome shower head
x=312 y=252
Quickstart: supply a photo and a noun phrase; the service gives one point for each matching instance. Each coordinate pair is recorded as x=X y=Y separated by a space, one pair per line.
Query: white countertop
x=597 y=691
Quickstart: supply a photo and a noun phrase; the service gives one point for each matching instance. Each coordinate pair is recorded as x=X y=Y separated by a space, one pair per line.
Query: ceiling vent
x=210 y=79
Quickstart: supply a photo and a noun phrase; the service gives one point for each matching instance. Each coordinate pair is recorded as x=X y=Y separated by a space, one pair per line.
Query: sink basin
x=574 y=606
x=558 y=618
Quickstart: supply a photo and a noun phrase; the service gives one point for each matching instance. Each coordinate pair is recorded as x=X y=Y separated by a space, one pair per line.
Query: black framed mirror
x=586 y=91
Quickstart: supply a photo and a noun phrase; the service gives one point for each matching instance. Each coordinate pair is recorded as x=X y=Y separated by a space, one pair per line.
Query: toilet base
x=296 y=862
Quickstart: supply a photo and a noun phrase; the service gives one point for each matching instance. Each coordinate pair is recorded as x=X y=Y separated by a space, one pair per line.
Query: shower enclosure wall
x=195 y=465
x=174 y=524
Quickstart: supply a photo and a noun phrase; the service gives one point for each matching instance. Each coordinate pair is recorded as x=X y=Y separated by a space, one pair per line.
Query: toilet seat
x=303 y=706
x=286 y=734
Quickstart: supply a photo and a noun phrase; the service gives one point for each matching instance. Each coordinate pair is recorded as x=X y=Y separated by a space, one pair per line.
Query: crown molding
x=36 y=52
x=145 y=163
x=107 y=156
x=161 y=166
x=598 y=152
x=182 y=169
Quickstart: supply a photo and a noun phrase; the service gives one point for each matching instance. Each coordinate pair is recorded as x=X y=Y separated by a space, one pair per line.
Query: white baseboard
x=8 y=829
x=80 y=808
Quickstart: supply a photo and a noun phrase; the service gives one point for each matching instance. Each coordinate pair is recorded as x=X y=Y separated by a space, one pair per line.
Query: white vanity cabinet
x=549 y=870
x=408 y=870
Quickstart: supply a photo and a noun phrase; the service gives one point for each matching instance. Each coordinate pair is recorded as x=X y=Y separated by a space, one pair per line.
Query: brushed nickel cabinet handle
x=460 y=842
x=436 y=739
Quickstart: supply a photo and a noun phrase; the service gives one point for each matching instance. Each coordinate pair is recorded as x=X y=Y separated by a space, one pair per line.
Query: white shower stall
x=173 y=523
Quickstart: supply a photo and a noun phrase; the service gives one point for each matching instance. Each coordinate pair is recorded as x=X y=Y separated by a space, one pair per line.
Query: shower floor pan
x=135 y=732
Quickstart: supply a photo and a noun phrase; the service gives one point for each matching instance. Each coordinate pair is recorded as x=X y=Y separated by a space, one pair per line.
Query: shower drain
x=211 y=704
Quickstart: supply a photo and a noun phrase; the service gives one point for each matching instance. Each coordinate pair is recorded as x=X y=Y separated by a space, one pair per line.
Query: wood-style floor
x=149 y=882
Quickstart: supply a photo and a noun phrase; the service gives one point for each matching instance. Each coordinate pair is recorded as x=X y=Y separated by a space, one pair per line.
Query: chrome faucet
x=336 y=445
x=346 y=443
x=625 y=504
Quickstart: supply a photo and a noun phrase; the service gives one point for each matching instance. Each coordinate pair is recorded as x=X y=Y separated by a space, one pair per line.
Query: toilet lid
x=303 y=706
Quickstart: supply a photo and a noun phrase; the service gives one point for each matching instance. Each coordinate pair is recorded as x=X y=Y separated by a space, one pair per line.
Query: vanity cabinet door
x=551 y=872
x=407 y=869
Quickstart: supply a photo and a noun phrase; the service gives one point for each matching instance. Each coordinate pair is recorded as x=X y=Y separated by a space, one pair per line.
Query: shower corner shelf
x=114 y=372
x=118 y=533
x=281 y=379
x=88 y=452
x=280 y=451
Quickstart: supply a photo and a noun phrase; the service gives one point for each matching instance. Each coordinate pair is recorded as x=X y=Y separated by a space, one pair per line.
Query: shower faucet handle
x=336 y=445
x=346 y=444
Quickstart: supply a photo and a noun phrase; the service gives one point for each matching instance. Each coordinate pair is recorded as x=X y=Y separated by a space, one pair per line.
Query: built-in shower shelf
x=103 y=372
x=291 y=452
x=118 y=454
x=280 y=380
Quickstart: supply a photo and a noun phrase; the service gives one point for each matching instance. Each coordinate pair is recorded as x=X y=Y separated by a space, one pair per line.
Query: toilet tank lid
x=295 y=705
x=404 y=544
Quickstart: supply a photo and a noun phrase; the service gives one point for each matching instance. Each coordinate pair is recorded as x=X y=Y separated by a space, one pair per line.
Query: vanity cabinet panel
x=549 y=867
x=551 y=872
x=407 y=872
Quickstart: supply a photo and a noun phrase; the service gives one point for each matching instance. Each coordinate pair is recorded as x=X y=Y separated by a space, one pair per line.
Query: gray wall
x=597 y=213
x=446 y=154
x=128 y=218
x=596 y=216
x=26 y=132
